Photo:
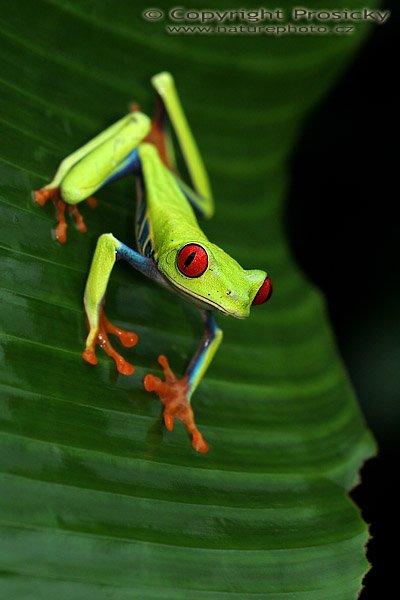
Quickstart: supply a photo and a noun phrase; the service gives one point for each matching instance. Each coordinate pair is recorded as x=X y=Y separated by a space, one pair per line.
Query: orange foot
x=173 y=394
x=127 y=338
x=44 y=194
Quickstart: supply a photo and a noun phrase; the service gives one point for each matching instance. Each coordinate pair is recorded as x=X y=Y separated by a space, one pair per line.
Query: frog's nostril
x=264 y=293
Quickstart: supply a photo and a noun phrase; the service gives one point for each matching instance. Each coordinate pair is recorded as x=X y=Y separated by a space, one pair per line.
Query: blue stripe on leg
x=129 y=164
x=141 y=263
x=205 y=352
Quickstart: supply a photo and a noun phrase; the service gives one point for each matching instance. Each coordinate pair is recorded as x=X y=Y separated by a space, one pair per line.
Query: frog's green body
x=224 y=286
x=172 y=249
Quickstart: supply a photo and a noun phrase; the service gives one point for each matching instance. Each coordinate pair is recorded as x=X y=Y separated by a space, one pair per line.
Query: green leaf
x=98 y=500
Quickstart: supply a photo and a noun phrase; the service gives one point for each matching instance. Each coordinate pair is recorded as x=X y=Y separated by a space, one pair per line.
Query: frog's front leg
x=108 y=251
x=175 y=393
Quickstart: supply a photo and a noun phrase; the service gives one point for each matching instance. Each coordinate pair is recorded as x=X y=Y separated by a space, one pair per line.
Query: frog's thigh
x=140 y=124
x=88 y=176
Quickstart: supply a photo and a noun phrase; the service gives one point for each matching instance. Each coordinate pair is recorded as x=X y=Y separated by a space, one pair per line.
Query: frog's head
x=213 y=278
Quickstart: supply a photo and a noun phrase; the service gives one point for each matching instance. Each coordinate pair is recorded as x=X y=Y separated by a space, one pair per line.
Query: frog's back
x=164 y=214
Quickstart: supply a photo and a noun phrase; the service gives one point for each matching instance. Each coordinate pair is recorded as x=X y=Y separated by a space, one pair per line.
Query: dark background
x=343 y=229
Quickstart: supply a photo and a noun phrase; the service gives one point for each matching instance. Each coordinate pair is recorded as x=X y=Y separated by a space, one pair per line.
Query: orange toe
x=169 y=421
x=90 y=356
x=199 y=443
x=41 y=196
x=151 y=383
x=124 y=367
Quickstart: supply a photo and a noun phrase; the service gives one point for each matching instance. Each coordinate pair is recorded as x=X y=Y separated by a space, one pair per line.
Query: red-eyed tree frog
x=172 y=249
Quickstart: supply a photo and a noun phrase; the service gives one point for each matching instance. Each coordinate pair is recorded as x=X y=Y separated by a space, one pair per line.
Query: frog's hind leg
x=69 y=190
x=169 y=109
x=175 y=393
x=106 y=157
x=160 y=134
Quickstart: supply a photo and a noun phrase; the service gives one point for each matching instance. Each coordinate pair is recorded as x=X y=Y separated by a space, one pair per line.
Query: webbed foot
x=60 y=232
x=100 y=337
x=173 y=393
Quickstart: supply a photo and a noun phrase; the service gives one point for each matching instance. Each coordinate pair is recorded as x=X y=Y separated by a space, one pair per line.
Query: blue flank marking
x=141 y=216
x=148 y=249
x=129 y=164
x=142 y=223
x=144 y=233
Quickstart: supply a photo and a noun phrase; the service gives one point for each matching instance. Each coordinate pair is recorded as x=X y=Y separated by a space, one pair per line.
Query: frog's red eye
x=264 y=293
x=192 y=260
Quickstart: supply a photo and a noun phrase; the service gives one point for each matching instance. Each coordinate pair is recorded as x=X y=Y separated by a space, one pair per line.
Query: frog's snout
x=264 y=293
